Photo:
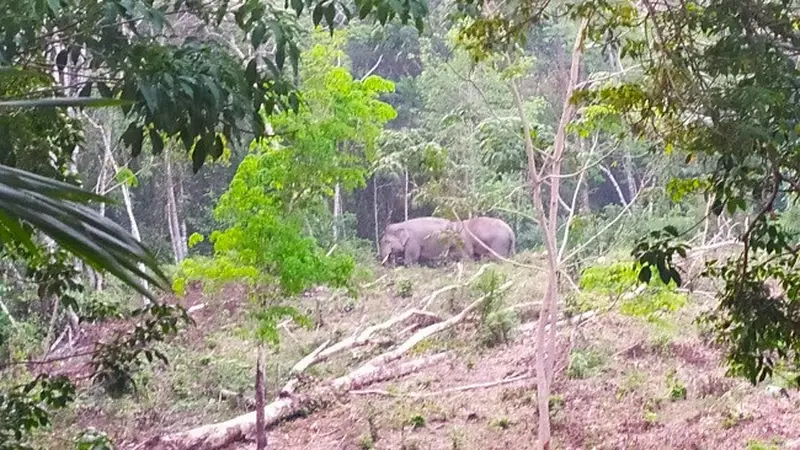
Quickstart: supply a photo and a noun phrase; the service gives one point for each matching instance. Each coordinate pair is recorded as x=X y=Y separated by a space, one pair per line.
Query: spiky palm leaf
x=58 y=210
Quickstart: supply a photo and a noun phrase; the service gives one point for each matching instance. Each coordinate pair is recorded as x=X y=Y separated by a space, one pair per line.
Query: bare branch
x=615 y=183
x=373 y=69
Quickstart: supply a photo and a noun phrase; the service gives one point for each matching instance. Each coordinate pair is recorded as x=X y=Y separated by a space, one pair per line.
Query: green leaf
x=250 y=73
x=157 y=141
x=133 y=137
x=330 y=14
x=257 y=37
x=104 y=90
x=95 y=239
x=645 y=274
x=55 y=6
x=298 y=5
x=127 y=177
x=61 y=59
x=86 y=90
x=316 y=15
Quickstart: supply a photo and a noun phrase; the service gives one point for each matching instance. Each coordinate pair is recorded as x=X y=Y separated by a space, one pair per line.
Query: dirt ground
x=625 y=405
x=620 y=383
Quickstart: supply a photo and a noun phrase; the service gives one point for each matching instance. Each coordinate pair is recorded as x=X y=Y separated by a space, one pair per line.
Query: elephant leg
x=411 y=255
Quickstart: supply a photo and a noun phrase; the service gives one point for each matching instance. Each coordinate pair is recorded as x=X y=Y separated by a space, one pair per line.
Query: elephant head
x=393 y=242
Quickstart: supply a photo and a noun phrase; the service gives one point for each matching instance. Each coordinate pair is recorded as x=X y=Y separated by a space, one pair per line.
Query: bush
x=584 y=363
x=496 y=320
x=619 y=281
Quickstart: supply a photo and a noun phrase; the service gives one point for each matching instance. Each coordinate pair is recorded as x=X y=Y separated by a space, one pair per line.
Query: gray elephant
x=420 y=240
x=480 y=234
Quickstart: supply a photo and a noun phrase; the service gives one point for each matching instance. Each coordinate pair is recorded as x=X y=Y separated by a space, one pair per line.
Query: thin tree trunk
x=261 y=428
x=172 y=211
x=585 y=206
x=545 y=339
x=630 y=179
x=337 y=210
x=183 y=242
x=100 y=188
x=405 y=197
x=614 y=182
x=126 y=198
x=375 y=212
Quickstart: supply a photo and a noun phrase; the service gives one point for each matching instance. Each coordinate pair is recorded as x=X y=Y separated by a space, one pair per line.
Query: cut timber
x=420 y=318
x=427 y=332
x=382 y=367
x=220 y=435
x=468 y=387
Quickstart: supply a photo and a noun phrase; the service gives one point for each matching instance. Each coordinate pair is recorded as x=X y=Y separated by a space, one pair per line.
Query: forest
x=197 y=198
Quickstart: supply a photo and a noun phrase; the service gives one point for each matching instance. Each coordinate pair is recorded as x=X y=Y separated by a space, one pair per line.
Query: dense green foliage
x=685 y=135
x=283 y=181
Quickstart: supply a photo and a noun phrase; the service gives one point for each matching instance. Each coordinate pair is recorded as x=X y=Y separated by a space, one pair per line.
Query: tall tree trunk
x=375 y=212
x=173 y=220
x=99 y=189
x=405 y=196
x=614 y=182
x=630 y=179
x=261 y=429
x=126 y=198
x=337 y=210
x=184 y=238
x=545 y=332
x=585 y=206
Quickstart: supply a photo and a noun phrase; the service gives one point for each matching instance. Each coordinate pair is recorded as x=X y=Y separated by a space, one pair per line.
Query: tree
x=717 y=86
x=327 y=143
x=53 y=56
x=714 y=80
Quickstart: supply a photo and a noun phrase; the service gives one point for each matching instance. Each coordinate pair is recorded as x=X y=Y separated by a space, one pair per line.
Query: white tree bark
x=375 y=213
x=337 y=210
x=548 y=220
x=126 y=198
x=405 y=196
x=614 y=182
x=173 y=221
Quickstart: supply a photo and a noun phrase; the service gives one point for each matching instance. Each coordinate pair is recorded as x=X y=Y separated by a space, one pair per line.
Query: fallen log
x=363 y=338
x=383 y=367
x=467 y=387
x=219 y=435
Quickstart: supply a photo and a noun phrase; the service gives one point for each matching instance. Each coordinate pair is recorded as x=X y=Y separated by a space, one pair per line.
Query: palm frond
x=58 y=210
x=63 y=102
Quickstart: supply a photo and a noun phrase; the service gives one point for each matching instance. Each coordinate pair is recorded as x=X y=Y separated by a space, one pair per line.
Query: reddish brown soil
x=592 y=413
x=623 y=404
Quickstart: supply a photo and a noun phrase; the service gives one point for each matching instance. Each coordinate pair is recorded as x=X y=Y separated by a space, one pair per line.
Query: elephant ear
x=403 y=235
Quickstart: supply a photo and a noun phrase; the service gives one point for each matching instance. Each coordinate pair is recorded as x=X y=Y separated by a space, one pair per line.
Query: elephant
x=479 y=234
x=424 y=239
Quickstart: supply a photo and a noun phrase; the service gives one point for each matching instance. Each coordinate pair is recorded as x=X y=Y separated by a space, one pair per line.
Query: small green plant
x=470 y=363
x=417 y=421
x=501 y=423
x=497 y=322
x=632 y=382
x=584 y=363
x=650 y=417
x=620 y=281
x=677 y=390
x=372 y=414
x=91 y=439
x=404 y=288
x=556 y=402
x=497 y=327
x=754 y=444
x=365 y=442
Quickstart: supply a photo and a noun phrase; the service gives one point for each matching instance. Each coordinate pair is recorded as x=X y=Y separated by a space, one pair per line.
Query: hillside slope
x=621 y=383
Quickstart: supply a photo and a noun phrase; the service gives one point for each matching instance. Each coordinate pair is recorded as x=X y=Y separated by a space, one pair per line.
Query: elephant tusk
x=385 y=259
